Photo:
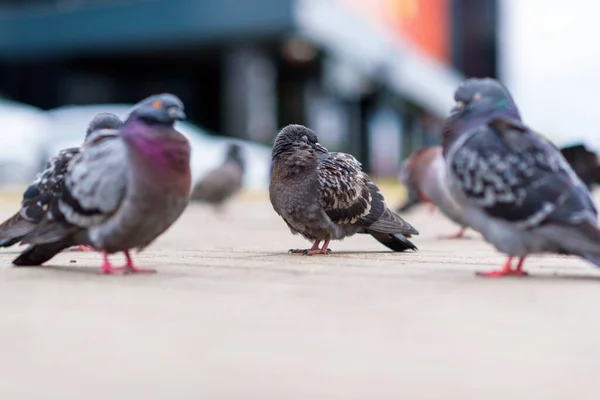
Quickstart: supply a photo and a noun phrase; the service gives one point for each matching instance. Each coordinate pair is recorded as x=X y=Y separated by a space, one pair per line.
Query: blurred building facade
x=373 y=77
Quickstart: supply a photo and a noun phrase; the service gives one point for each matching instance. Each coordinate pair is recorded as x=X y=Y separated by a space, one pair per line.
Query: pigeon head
x=478 y=100
x=163 y=109
x=296 y=138
x=103 y=121
x=234 y=153
x=481 y=96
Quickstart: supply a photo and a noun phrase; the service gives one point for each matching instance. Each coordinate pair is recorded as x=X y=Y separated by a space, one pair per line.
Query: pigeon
x=223 y=182
x=584 y=162
x=123 y=190
x=425 y=173
x=514 y=185
x=326 y=196
x=47 y=185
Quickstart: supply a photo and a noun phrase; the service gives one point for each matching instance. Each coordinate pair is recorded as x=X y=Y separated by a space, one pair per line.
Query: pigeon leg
x=107 y=267
x=322 y=250
x=301 y=251
x=129 y=267
x=458 y=235
x=506 y=270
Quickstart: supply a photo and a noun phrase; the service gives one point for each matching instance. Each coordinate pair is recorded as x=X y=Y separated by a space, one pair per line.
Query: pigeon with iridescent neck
x=123 y=190
x=515 y=187
x=48 y=185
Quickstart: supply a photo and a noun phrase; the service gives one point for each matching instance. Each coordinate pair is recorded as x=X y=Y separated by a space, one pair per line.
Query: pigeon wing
x=514 y=174
x=343 y=189
x=93 y=189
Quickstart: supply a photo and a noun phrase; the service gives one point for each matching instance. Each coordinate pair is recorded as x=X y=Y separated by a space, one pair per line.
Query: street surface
x=231 y=315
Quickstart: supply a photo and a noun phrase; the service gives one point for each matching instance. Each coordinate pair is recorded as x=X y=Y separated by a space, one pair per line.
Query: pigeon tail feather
x=48 y=232
x=39 y=254
x=392 y=223
x=10 y=242
x=15 y=227
x=397 y=242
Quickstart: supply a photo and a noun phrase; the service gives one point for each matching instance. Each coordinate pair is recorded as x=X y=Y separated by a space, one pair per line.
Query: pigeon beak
x=176 y=113
x=458 y=107
x=320 y=148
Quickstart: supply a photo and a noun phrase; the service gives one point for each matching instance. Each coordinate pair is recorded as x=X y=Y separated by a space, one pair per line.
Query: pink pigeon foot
x=82 y=247
x=506 y=270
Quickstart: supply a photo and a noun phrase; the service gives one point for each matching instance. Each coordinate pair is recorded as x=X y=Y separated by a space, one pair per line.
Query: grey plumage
x=221 y=183
x=515 y=186
x=425 y=173
x=48 y=184
x=326 y=196
x=123 y=189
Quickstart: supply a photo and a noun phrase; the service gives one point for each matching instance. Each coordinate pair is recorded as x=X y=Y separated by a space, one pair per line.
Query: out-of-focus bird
x=584 y=162
x=425 y=173
x=221 y=183
x=123 y=190
x=514 y=185
x=325 y=196
x=48 y=184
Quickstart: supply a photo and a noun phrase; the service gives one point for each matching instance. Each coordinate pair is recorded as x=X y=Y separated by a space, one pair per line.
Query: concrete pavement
x=231 y=315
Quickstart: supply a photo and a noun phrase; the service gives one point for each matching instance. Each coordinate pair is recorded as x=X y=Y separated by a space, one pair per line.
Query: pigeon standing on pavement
x=220 y=184
x=47 y=185
x=122 y=190
x=326 y=196
x=516 y=188
x=425 y=173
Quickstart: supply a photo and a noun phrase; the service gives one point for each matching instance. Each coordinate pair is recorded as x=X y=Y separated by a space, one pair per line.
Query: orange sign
x=426 y=23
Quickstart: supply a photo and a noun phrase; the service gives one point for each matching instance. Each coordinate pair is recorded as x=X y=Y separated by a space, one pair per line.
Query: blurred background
x=371 y=77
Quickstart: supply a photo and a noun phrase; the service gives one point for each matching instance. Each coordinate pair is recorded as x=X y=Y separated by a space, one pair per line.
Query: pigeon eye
x=477 y=96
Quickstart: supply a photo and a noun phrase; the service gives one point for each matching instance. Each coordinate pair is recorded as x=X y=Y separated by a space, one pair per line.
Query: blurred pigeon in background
x=123 y=190
x=515 y=186
x=424 y=172
x=584 y=162
x=221 y=183
x=325 y=196
x=48 y=184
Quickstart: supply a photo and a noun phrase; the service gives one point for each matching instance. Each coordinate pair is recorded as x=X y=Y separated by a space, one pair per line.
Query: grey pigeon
x=425 y=173
x=47 y=185
x=221 y=183
x=325 y=196
x=516 y=188
x=123 y=190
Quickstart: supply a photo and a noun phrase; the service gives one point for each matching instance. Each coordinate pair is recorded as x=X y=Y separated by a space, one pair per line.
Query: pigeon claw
x=317 y=251
x=297 y=251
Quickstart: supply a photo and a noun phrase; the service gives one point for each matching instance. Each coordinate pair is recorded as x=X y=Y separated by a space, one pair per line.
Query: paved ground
x=231 y=315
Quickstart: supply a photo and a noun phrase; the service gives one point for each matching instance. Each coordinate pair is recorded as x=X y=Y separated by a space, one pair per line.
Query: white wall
x=550 y=60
